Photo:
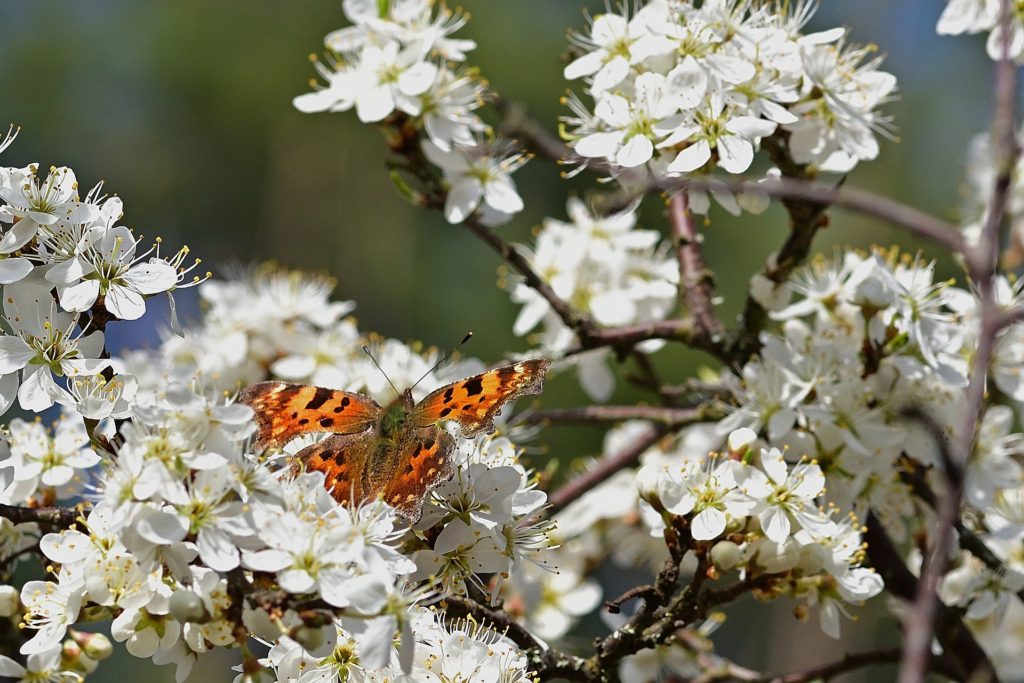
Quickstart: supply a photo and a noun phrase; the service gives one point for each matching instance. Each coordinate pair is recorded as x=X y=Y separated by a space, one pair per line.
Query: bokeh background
x=184 y=108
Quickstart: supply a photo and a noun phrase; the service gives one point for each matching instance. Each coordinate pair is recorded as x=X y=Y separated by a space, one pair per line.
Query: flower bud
x=75 y=660
x=187 y=607
x=95 y=645
x=726 y=555
x=10 y=602
x=647 y=480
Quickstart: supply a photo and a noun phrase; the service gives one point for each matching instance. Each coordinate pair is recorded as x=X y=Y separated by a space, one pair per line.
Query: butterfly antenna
x=445 y=358
x=366 y=350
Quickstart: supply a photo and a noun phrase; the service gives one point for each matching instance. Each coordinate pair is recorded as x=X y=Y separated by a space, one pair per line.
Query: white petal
x=462 y=200
x=79 y=297
x=150 y=278
x=162 y=528
x=708 y=524
x=374 y=104
x=418 y=78
x=599 y=145
x=124 y=303
x=584 y=66
x=36 y=392
x=735 y=154
x=501 y=194
x=14 y=354
x=18 y=236
x=637 y=150
x=775 y=524
x=216 y=549
x=14 y=269
x=691 y=158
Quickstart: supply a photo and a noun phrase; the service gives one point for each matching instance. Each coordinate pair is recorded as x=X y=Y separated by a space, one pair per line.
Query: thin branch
x=573 y=319
x=913 y=473
x=603 y=470
x=956 y=639
x=982 y=262
x=54 y=517
x=849 y=662
x=696 y=281
x=550 y=662
x=670 y=417
x=861 y=201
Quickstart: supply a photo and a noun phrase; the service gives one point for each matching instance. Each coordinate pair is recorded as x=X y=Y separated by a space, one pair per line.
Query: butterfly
x=398 y=452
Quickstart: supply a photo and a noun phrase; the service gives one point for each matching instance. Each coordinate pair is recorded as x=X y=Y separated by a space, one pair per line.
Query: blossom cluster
x=62 y=257
x=185 y=515
x=681 y=87
x=398 y=61
x=869 y=342
x=603 y=266
x=767 y=516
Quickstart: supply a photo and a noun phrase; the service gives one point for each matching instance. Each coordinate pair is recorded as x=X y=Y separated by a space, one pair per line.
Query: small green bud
x=726 y=555
x=10 y=601
x=95 y=645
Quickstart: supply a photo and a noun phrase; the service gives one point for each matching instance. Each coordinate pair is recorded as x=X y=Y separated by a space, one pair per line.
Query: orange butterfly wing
x=425 y=458
x=343 y=458
x=474 y=402
x=285 y=411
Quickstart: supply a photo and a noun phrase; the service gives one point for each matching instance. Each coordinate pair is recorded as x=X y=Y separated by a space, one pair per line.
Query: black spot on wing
x=320 y=397
x=506 y=373
x=326 y=421
x=474 y=386
x=448 y=394
x=445 y=412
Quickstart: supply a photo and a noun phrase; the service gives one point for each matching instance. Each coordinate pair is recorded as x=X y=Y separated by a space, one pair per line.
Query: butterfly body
x=397 y=452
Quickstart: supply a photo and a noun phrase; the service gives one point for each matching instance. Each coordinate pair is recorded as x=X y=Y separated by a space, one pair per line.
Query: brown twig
x=573 y=319
x=956 y=639
x=982 y=262
x=604 y=469
x=54 y=517
x=550 y=662
x=696 y=281
x=857 y=200
x=913 y=474
x=806 y=217
x=669 y=417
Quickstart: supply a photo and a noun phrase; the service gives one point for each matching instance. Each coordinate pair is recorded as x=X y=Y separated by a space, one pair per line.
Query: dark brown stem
x=544 y=660
x=982 y=263
x=849 y=662
x=604 y=469
x=956 y=640
x=53 y=517
x=696 y=281
x=508 y=252
x=806 y=217
x=914 y=474
x=853 y=199
x=670 y=417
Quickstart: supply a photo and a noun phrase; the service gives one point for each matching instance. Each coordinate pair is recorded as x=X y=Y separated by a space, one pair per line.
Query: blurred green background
x=184 y=108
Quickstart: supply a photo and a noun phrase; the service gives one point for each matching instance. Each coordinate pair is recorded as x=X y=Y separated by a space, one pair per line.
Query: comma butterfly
x=398 y=452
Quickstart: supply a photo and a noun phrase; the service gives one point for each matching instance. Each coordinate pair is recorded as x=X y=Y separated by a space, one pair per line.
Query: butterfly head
x=396 y=415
